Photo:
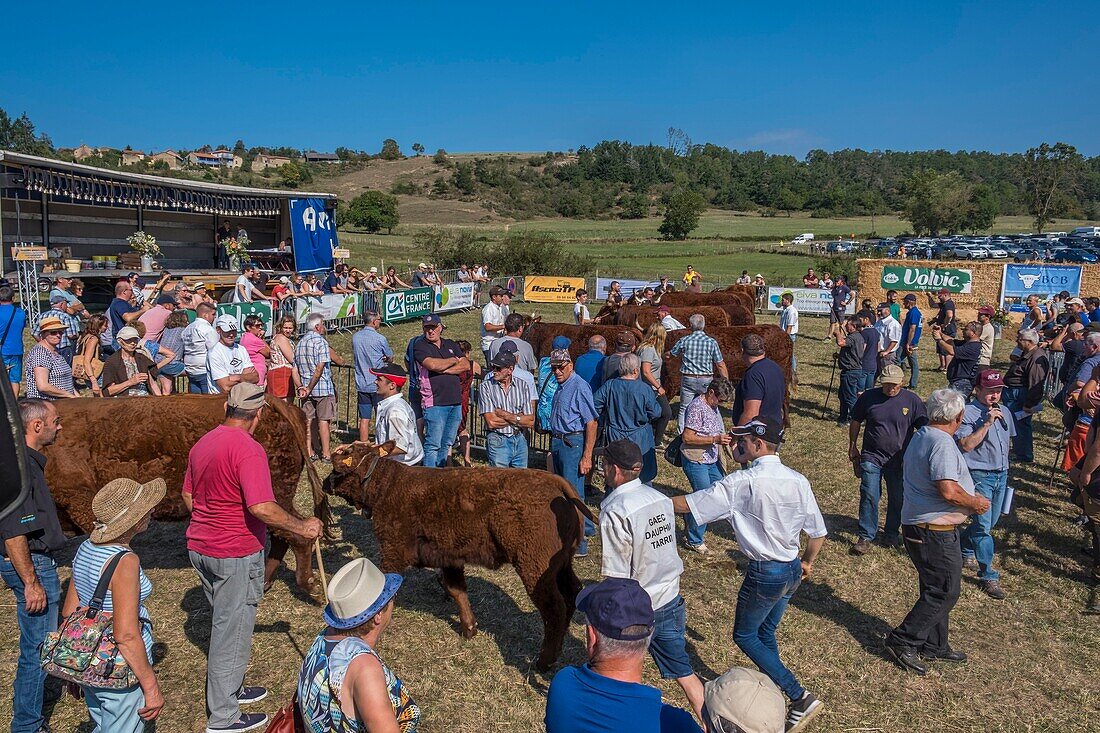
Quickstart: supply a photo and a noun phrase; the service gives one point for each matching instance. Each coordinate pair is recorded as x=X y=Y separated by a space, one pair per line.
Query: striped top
x=517 y=400
x=88 y=567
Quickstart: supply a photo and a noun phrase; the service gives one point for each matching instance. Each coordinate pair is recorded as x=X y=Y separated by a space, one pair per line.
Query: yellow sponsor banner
x=543 y=289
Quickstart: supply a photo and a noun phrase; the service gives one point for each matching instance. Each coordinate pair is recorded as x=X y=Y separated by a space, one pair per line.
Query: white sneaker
x=700 y=548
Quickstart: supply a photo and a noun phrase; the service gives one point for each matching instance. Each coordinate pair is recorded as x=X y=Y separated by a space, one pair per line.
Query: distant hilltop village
x=199 y=159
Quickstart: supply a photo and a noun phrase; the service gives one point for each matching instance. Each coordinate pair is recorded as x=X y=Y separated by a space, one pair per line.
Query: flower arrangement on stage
x=146 y=244
x=236 y=246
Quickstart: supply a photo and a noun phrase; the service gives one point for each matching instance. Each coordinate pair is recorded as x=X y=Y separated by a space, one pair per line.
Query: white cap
x=421 y=265
x=374 y=270
x=226 y=322
x=284 y=280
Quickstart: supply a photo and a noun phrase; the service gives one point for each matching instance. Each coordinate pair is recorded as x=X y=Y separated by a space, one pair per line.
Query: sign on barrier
x=240 y=311
x=543 y=289
x=331 y=307
x=902 y=277
x=626 y=287
x=400 y=305
x=454 y=297
x=1020 y=281
x=808 y=300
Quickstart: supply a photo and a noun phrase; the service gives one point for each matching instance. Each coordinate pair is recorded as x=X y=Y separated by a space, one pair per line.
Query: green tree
x=390 y=150
x=373 y=211
x=634 y=206
x=418 y=149
x=464 y=178
x=682 y=214
x=291 y=174
x=440 y=158
x=1048 y=172
x=19 y=136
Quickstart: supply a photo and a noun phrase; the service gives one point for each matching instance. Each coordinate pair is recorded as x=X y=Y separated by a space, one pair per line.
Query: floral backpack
x=83 y=650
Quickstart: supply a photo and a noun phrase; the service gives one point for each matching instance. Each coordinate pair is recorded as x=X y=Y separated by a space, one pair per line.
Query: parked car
x=995 y=252
x=1074 y=255
x=803 y=238
x=1028 y=255
x=1085 y=232
x=839 y=247
x=964 y=251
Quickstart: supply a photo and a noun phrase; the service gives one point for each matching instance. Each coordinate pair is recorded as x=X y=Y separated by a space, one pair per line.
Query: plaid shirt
x=312 y=350
x=700 y=353
x=72 y=327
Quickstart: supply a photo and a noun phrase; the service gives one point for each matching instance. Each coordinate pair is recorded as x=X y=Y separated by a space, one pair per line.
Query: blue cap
x=431 y=320
x=561 y=342
x=616 y=604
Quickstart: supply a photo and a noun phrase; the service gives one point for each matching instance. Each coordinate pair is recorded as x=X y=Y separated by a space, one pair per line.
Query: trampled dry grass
x=1033 y=657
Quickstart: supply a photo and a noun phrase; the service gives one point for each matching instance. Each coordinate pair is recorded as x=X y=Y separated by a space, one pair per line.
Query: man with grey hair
x=939 y=495
x=312 y=356
x=702 y=361
x=607 y=693
x=626 y=408
x=1025 y=383
x=370 y=350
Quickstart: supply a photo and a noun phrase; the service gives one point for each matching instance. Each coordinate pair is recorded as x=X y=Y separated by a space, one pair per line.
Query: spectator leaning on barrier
x=508 y=407
x=573 y=428
x=911 y=329
x=227 y=362
x=962 y=368
x=440 y=362
x=493 y=316
x=889 y=415
x=370 y=350
x=606 y=693
x=419 y=276
x=1025 y=383
x=701 y=362
x=198 y=338
x=849 y=358
x=513 y=334
x=763 y=388
x=939 y=496
x=390 y=281
x=312 y=357
x=393 y=417
x=245 y=291
x=627 y=407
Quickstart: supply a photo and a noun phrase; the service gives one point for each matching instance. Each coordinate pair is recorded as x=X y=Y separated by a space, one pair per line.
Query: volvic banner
x=401 y=305
x=242 y=310
x=904 y=277
x=626 y=287
x=543 y=289
x=455 y=296
x=808 y=300
x=314 y=234
x=331 y=307
x=1020 y=281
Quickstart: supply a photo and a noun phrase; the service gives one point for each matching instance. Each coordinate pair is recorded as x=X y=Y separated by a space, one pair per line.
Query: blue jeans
x=794 y=362
x=197 y=383
x=669 y=645
x=33 y=627
x=851 y=384
x=1022 y=444
x=116 y=711
x=914 y=368
x=870 y=490
x=506 y=451
x=763 y=598
x=690 y=388
x=700 y=476
x=977 y=541
x=567 y=453
x=440 y=430
x=868 y=380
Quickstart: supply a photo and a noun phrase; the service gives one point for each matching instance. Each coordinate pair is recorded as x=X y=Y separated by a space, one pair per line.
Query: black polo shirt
x=441 y=390
x=36 y=517
x=888 y=424
x=763 y=381
x=964 y=364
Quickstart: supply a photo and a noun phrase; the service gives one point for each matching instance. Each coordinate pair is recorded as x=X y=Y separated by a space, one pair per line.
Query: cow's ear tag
x=382 y=452
x=346 y=461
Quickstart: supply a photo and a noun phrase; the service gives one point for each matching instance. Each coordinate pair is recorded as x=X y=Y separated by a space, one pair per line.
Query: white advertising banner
x=331 y=307
x=808 y=300
x=455 y=296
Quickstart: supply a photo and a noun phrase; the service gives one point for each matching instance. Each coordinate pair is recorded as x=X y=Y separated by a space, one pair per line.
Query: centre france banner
x=314 y=234
x=401 y=305
x=331 y=307
x=626 y=287
x=543 y=289
x=808 y=300
x=910 y=278
x=1020 y=281
x=240 y=311
x=453 y=297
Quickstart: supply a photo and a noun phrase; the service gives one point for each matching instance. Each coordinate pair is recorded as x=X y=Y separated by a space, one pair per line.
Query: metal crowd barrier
x=1053 y=385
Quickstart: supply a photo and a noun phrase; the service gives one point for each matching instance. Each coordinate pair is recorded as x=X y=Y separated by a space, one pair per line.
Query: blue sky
x=782 y=77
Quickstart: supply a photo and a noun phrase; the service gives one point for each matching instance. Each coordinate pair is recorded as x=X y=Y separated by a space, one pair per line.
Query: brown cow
x=749 y=290
x=541 y=334
x=643 y=316
x=680 y=300
x=146 y=438
x=450 y=517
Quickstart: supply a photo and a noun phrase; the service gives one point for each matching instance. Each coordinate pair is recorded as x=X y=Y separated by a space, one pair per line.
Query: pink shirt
x=252 y=344
x=227 y=472
x=154 y=320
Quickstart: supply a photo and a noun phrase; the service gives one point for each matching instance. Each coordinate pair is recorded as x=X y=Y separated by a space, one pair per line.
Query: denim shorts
x=14 y=366
x=669 y=646
x=366 y=403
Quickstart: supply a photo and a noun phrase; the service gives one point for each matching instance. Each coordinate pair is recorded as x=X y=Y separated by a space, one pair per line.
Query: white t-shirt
x=394 y=420
x=580 y=314
x=671 y=324
x=638 y=530
x=222 y=361
x=492 y=313
x=243 y=283
x=889 y=330
x=789 y=317
x=198 y=338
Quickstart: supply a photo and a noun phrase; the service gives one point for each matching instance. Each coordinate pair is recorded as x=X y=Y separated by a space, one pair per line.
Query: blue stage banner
x=626 y=287
x=314 y=234
x=1020 y=281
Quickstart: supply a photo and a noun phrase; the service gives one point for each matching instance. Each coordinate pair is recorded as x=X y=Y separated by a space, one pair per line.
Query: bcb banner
x=1021 y=281
x=542 y=289
x=400 y=305
x=453 y=297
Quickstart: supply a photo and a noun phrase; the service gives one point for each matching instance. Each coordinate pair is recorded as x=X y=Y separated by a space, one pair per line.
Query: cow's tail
x=571 y=495
x=296 y=418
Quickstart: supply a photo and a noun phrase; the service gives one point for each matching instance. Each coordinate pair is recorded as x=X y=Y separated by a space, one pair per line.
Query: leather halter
x=370 y=472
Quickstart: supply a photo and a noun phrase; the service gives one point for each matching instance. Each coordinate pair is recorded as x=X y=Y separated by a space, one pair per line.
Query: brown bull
x=680 y=300
x=145 y=438
x=748 y=290
x=642 y=317
x=448 y=518
x=541 y=334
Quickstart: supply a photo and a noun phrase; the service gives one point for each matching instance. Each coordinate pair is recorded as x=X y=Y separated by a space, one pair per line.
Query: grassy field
x=1032 y=657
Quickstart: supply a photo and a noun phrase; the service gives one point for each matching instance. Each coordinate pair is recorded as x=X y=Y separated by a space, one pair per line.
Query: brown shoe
x=993 y=589
x=971 y=563
x=860 y=547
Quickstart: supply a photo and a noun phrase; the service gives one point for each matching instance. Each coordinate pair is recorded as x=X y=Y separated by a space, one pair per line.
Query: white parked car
x=996 y=252
x=803 y=238
x=965 y=251
x=1085 y=232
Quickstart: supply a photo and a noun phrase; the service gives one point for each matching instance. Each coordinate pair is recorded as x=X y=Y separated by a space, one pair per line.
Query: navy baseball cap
x=762 y=427
x=431 y=320
x=616 y=604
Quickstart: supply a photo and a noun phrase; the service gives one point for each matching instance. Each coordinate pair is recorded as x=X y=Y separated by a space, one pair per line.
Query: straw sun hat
x=121 y=504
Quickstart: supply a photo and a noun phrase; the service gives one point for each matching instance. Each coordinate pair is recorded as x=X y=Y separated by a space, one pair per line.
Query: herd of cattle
x=422 y=517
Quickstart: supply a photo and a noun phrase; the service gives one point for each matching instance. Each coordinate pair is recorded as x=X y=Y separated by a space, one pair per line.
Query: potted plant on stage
x=146 y=245
x=236 y=251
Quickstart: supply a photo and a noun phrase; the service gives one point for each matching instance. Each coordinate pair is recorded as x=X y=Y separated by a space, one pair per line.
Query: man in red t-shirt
x=227 y=489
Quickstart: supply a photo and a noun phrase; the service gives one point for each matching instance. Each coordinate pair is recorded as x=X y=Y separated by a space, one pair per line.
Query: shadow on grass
x=821 y=600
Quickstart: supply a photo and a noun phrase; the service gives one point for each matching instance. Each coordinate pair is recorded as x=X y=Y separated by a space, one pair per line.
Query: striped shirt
x=700 y=353
x=72 y=327
x=312 y=350
x=491 y=395
x=88 y=566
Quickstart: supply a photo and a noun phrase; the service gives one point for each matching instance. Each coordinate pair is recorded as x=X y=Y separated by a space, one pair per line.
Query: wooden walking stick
x=825 y=407
x=1057 y=455
x=321 y=566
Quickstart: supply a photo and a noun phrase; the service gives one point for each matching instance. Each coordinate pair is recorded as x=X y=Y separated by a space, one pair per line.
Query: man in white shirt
x=198 y=338
x=987 y=337
x=889 y=336
x=638 y=528
x=393 y=417
x=580 y=310
x=769 y=506
x=788 y=321
x=227 y=362
x=492 y=318
x=670 y=323
x=245 y=291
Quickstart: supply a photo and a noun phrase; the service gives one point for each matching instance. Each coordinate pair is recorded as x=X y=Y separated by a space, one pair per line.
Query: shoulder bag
x=288 y=719
x=84 y=650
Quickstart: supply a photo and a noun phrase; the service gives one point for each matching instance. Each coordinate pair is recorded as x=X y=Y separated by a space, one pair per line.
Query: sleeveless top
x=322 y=676
x=278 y=361
x=88 y=566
